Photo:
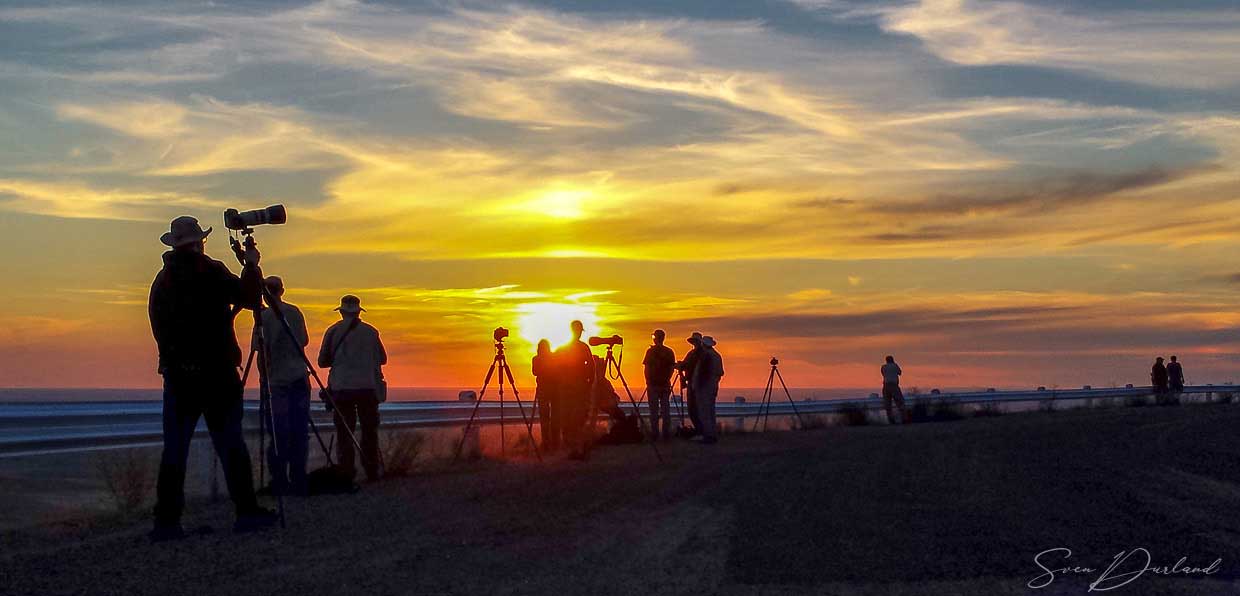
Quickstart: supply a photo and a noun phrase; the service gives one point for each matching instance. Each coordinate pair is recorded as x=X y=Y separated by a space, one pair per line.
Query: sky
x=1001 y=194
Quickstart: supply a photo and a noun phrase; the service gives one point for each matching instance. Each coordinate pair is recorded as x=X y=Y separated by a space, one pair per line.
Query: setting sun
x=550 y=320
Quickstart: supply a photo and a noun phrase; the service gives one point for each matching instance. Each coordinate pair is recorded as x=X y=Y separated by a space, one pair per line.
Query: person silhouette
x=193 y=303
x=546 y=394
x=1175 y=375
x=575 y=374
x=687 y=366
x=1158 y=377
x=352 y=349
x=891 y=391
x=660 y=365
x=289 y=385
x=705 y=382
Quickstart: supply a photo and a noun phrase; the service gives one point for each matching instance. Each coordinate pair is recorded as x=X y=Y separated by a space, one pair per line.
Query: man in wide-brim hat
x=687 y=366
x=705 y=383
x=352 y=349
x=192 y=305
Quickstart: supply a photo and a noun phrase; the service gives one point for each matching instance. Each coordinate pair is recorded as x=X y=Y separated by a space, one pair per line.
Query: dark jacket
x=575 y=364
x=660 y=363
x=1158 y=376
x=707 y=372
x=688 y=365
x=1175 y=373
x=191 y=311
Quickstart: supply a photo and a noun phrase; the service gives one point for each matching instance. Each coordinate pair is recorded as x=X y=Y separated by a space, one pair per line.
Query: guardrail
x=31 y=428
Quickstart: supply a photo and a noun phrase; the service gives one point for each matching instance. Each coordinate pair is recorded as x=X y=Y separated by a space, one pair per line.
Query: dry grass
x=128 y=475
x=401 y=451
x=850 y=415
x=987 y=410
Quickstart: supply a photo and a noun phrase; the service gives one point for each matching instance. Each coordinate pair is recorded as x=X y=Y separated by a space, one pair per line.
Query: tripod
x=264 y=399
x=611 y=364
x=500 y=362
x=764 y=408
x=678 y=384
x=264 y=389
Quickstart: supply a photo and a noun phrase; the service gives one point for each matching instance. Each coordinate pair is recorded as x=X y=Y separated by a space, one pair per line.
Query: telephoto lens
x=240 y=220
x=614 y=340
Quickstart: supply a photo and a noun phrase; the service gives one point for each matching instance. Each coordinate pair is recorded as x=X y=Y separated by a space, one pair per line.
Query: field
x=957 y=507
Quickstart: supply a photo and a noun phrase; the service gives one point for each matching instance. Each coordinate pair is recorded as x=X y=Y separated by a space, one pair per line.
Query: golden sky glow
x=998 y=193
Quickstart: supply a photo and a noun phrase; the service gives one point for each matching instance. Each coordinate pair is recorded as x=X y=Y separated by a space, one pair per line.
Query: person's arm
x=158 y=325
x=325 y=349
x=299 y=327
x=382 y=355
x=899 y=371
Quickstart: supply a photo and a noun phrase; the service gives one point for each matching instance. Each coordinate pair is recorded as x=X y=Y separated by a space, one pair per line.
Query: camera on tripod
x=774 y=361
x=500 y=334
x=614 y=340
x=242 y=220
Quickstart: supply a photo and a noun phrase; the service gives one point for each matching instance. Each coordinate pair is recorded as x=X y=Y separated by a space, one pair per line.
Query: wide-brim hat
x=708 y=341
x=696 y=338
x=350 y=304
x=183 y=231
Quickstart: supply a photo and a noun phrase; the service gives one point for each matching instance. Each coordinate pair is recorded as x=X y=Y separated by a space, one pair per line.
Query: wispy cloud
x=1175 y=46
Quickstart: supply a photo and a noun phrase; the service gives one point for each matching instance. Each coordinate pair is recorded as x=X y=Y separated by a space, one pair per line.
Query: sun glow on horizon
x=550 y=321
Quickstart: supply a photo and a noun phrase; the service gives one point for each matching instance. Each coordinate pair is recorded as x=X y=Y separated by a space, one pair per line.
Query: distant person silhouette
x=705 y=382
x=687 y=366
x=1175 y=375
x=575 y=371
x=1158 y=377
x=289 y=384
x=546 y=394
x=660 y=365
x=352 y=349
x=193 y=302
x=891 y=391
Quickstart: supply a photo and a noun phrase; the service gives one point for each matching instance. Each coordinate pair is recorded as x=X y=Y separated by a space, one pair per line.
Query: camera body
x=241 y=220
x=614 y=340
x=774 y=361
x=500 y=334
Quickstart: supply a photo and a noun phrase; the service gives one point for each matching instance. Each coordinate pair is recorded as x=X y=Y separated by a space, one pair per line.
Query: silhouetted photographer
x=288 y=382
x=659 y=365
x=352 y=349
x=193 y=302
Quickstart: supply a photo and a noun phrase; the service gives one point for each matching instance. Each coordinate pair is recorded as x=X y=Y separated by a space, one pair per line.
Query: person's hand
x=252 y=255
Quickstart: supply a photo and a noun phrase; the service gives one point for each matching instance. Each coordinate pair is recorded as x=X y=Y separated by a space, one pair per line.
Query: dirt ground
x=937 y=508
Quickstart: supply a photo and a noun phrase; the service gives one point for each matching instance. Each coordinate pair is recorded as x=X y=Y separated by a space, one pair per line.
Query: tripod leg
x=766 y=390
x=636 y=410
x=529 y=422
x=473 y=415
x=248 y=362
x=790 y=400
x=327 y=452
x=769 y=397
x=266 y=422
x=503 y=439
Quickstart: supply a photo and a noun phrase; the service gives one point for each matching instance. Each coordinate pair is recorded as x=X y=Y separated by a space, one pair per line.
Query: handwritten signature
x=1125 y=567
